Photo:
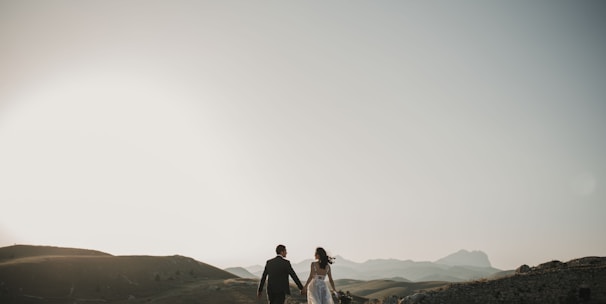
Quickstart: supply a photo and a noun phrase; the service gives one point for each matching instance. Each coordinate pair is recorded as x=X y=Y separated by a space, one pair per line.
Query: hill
x=52 y=274
x=577 y=281
x=22 y=251
x=380 y=289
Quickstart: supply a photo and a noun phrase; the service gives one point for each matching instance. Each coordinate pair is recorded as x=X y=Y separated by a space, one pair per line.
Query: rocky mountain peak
x=463 y=257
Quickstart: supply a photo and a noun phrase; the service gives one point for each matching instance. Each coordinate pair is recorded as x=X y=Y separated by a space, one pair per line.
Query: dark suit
x=277 y=271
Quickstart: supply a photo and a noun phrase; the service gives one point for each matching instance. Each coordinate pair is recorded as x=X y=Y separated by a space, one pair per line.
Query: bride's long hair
x=324 y=258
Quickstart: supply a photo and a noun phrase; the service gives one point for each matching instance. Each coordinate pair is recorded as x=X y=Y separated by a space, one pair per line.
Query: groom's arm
x=262 y=282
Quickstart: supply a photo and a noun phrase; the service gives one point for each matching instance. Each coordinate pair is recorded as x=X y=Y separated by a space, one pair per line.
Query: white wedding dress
x=318 y=291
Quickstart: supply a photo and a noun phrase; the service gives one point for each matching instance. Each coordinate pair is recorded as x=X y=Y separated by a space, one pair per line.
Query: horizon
x=219 y=129
x=300 y=260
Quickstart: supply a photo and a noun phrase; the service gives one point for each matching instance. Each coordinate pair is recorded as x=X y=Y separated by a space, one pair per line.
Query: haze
x=376 y=129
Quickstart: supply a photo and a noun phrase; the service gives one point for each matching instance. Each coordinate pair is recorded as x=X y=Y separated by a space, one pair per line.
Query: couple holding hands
x=278 y=269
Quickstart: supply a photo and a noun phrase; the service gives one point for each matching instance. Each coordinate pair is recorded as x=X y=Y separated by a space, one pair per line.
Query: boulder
x=523 y=269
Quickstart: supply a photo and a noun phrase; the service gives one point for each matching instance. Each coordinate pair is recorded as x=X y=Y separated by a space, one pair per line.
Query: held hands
x=335 y=293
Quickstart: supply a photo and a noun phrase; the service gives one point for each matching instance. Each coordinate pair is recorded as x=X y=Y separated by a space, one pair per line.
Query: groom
x=277 y=271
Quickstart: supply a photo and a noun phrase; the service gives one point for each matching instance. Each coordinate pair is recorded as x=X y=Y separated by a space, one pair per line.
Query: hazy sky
x=376 y=129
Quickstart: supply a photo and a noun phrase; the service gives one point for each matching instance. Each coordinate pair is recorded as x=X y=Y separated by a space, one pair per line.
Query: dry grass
x=28 y=274
x=379 y=289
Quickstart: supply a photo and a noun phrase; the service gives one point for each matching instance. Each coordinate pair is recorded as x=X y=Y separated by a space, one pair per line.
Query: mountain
x=241 y=272
x=460 y=266
x=465 y=258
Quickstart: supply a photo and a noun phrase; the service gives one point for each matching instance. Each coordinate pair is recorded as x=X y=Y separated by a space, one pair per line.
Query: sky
x=375 y=129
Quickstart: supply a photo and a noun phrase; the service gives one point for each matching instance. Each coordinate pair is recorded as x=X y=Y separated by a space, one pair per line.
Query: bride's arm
x=332 y=283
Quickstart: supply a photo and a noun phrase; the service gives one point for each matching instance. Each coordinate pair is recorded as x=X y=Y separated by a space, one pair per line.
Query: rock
x=415 y=298
x=551 y=265
x=523 y=269
x=586 y=261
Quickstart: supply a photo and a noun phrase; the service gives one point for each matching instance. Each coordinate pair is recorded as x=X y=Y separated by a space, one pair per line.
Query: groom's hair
x=280 y=248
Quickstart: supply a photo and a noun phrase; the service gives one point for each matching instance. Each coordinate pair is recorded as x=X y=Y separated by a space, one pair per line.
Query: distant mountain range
x=241 y=272
x=457 y=267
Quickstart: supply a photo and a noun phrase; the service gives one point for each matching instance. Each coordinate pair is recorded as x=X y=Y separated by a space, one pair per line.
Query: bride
x=317 y=289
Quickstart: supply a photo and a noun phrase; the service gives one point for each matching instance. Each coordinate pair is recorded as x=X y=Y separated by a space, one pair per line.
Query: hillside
x=42 y=273
x=379 y=289
x=22 y=251
x=577 y=281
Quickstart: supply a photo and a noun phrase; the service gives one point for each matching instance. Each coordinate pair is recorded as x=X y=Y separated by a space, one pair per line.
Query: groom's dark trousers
x=276 y=272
